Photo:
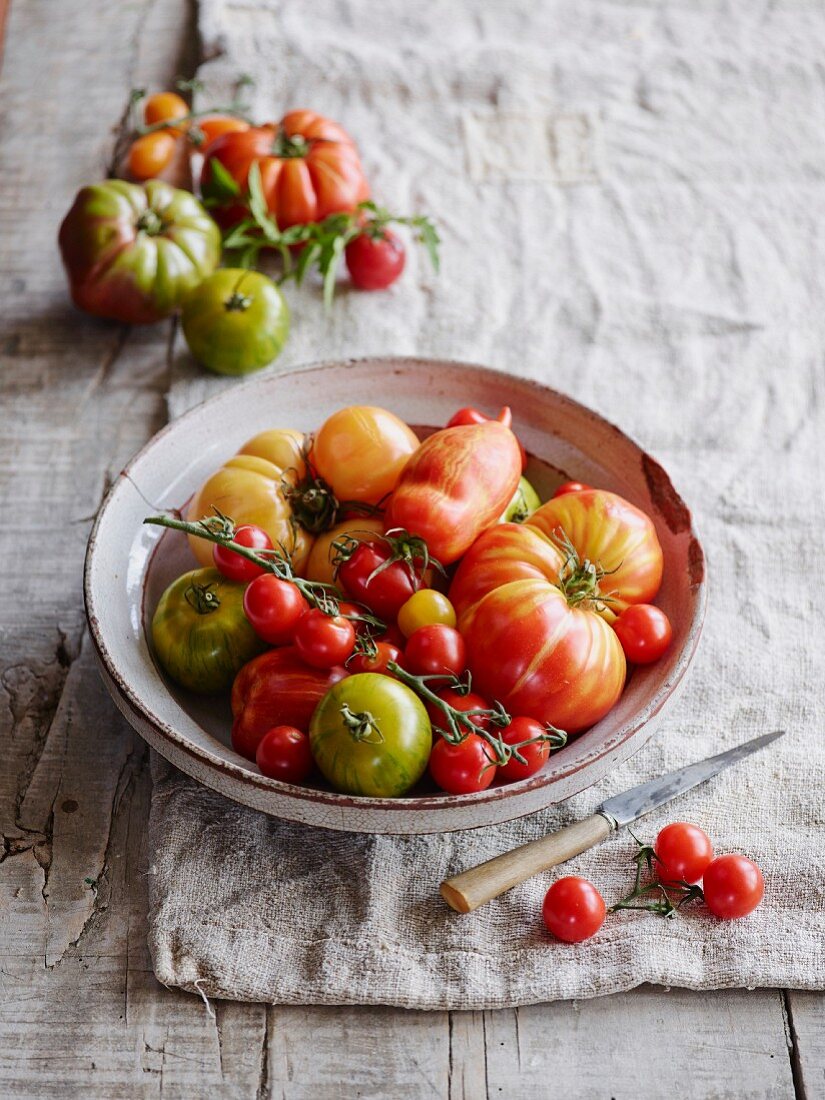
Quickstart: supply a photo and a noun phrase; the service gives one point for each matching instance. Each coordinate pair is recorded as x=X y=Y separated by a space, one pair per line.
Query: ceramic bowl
x=129 y=564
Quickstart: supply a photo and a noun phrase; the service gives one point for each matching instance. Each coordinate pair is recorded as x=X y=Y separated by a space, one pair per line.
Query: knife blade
x=481 y=884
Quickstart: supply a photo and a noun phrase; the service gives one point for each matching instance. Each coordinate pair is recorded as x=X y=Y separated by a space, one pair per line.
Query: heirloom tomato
x=524 y=502
x=309 y=169
x=455 y=486
x=133 y=252
x=469 y=415
x=200 y=633
x=276 y=689
x=361 y=451
x=320 y=566
x=370 y=735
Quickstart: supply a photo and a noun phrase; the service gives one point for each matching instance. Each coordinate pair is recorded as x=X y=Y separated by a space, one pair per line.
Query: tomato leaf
x=331 y=258
x=220 y=187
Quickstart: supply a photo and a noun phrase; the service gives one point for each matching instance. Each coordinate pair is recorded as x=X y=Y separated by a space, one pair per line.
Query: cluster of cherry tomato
x=168 y=118
x=682 y=856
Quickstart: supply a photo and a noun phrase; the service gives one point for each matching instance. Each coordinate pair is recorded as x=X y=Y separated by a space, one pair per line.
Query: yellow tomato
x=249 y=489
x=361 y=451
x=283 y=447
x=425 y=607
x=319 y=563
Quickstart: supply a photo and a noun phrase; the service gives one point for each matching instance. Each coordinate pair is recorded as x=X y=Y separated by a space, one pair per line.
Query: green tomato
x=524 y=502
x=236 y=321
x=200 y=633
x=371 y=735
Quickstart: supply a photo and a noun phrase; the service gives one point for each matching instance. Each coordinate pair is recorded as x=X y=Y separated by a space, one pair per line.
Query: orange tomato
x=166 y=107
x=361 y=452
x=215 y=126
x=319 y=565
x=150 y=154
x=283 y=447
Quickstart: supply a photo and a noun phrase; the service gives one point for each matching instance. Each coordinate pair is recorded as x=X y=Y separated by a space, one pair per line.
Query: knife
x=478 y=885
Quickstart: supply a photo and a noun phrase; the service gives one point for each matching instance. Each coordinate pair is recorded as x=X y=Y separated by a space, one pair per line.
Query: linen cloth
x=631 y=200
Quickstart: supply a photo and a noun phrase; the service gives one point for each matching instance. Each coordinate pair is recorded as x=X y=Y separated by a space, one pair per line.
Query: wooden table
x=80 y=1010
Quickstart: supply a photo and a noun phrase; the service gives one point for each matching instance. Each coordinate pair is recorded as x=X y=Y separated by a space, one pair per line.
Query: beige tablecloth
x=631 y=198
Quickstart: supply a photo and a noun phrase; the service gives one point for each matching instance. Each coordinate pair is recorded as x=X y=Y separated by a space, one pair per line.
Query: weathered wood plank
x=806 y=1028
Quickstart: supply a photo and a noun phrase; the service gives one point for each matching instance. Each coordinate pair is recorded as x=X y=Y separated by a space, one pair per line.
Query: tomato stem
x=670 y=896
x=202 y=598
x=580 y=580
x=362 y=726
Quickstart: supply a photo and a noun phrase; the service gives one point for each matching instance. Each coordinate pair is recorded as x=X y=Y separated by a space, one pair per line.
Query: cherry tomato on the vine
x=274 y=608
x=469 y=415
x=375 y=262
x=573 y=909
x=383 y=592
x=166 y=107
x=385 y=652
x=324 y=640
x=464 y=703
x=644 y=632
x=464 y=768
x=424 y=608
x=571 y=487
x=435 y=650
x=733 y=886
x=215 y=126
x=150 y=154
x=232 y=564
x=284 y=753
x=684 y=852
x=536 y=754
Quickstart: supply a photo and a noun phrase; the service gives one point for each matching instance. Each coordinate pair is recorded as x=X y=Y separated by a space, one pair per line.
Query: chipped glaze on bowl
x=128 y=564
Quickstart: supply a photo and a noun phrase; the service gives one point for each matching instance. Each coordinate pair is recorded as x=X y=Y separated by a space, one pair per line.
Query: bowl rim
x=211 y=760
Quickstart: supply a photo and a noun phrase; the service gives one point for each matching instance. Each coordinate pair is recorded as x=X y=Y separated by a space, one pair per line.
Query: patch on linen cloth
x=508 y=145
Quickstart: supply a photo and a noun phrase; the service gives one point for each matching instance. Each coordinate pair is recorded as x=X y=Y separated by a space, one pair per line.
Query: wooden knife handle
x=465 y=892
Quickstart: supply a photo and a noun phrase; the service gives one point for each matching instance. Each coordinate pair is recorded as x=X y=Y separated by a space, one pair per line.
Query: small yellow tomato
x=361 y=451
x=319 y=563
x=426 y=607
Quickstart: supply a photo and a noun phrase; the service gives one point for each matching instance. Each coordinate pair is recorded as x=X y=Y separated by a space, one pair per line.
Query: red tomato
x=463 y=768
x=455 y=486
x=324 y=640
x=684 y=852
x=571 y=487
x=434 y=650
x=733 y=886
x=464 y=703
x=284 y=754
x=150 y=154
x=536 y=754
x=573 y=909
x=469 y=415
x=375 y=262
x=394 y=636
x=166 y=107
x=274 y=607
x=238 y=568
x=309 y=169
x=384 y=593
x=276 y=689
x=377 y=663
x=644 y=631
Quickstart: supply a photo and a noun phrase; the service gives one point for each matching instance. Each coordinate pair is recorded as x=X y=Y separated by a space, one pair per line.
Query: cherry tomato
x=434 y=650
x=150 y=154
x=464 y=703
x=238 y=568
x=377 y=663
x=463 y=768
x=733 y=886
x=386 y=592
x=324 y=640
x=573 y=909
x=166 y=107
x=571 y=487
x=274 y=607
x=394 y=636
x=374 y=262
x=284 y=754
x=644 y=632
x=424 y=608
x=469 y=415
x=536 y=754
x=215 y=126
x=684 y=852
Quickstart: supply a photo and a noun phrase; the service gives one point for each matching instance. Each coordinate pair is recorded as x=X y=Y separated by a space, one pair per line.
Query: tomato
x=684 y=852
x=199 y=631
x=384 y=592
x=150 y=154
x=435 y=650
x=426 y=607
x=573 y=909
x=234 y=565
x=309 y=169
x=206 y=130
x=370 y=735
x=284 y=754
x=324 y=640
x=320 y=565
x=361 y=451
x=276 y=689
x=283 y=447
x=463 y=768
x=132 y=252
x=469 y=415
x=524 y=502
x=166 y=107
x=733 y=886
x=536 y=754
x=571 y=487
x=465 y=703
x=456 y=485
x=274 y=608
x=236 y=321
x=375 y=260
x=385 y=652
x=644 y=632
x=530 y=643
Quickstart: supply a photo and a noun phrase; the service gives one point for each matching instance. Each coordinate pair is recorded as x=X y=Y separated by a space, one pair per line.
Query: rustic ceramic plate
x=128 y=565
